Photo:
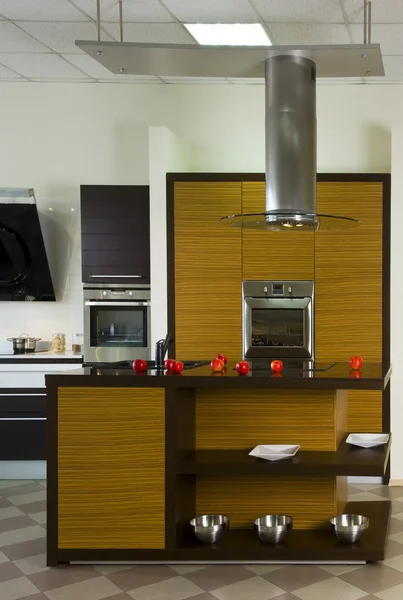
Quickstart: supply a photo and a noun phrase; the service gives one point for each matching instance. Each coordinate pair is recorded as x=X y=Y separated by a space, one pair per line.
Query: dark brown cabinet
x=115 y=234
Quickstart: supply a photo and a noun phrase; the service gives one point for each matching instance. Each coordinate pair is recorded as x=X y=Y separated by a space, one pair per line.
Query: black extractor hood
x=24 y=268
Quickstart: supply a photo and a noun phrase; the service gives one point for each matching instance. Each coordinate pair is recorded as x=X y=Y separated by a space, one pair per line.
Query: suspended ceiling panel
x=167 y=60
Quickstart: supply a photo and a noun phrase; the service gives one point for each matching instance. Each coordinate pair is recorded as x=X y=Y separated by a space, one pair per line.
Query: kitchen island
x=133 y=457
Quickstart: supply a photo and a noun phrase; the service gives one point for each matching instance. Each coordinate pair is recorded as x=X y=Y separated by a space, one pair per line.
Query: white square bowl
x=367 y=440
x=274 y=452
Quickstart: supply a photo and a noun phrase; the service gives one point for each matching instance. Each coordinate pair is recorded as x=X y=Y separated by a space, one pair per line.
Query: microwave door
x=275 y=327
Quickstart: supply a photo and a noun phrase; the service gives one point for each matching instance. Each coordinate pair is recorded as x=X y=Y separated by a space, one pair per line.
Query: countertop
x=41 y=357
x=372 y=376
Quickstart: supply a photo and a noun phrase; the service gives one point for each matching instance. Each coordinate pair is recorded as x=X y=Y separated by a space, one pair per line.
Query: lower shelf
x=244 y=545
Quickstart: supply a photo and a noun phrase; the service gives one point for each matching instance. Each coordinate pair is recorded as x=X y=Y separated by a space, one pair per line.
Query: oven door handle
x=123 y=303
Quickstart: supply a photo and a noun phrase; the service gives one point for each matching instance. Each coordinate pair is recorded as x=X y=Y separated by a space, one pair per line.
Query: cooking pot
x=23 y=343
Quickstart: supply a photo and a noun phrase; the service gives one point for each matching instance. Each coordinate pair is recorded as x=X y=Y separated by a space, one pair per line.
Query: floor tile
x=9 y=512
x=25 y=549
x=35 y=507
x=16 y=523
x=331 y=589
x=93 y=589
x=337 y=570
x=32 y=564
x=393 y=593
x=393 y=549
x=7 y=483
x=17 y=588
x=22 y=499
x=296 y=577
x=397 y=507
x=204 y=596
x=395 y=526
x=255 y=588
x=9 y=571
x=212 y=578
x=365 y=487
x=8 y=538
x=185 y=569
x=397 y=537
x=398 y=516
x=107 y=569
x=374 y=578
x=177 y=588
x=63 y=575
x=35 y=597
x=4 y=502
x=3 y=558
x=368 y=496
x=18 y=490
x=262 y=569
x=140 y=576
x=388 y=492
x=39 y=517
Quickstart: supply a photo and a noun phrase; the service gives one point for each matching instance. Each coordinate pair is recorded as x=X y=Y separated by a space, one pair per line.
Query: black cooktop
x=292 y=365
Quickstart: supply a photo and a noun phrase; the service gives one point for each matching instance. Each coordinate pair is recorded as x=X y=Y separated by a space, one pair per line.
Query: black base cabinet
x=115 y=234
x=23 y=427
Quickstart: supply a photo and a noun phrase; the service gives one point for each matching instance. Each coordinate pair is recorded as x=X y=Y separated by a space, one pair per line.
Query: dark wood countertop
x=372 y=376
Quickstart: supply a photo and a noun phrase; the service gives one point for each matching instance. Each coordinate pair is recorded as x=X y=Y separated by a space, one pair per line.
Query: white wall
x=58 y=136
x=167 y=154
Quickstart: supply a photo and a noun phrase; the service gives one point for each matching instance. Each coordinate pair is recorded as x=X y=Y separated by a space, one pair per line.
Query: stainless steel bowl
x=209 y=528
x=349 y=528
x=273 y=529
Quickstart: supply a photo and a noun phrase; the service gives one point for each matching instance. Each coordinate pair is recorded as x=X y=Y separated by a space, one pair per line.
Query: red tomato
x=139 y=365
x=276 y=366
x=356 y=362
x=222 y=357
x=355 y=374
x=177 y=366
x=217 y=365
x=243 y=367
x=169 y=364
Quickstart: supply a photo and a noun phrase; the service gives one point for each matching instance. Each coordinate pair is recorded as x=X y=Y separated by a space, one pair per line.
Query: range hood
x=24 y=268
x=290 y=78
x=290 y=86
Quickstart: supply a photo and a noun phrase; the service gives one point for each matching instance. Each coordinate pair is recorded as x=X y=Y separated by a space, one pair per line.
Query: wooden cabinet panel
x=240 y=419
x=115 y=232
x=310 y=501
x=273 y=255
x=111 y=468
x=208 y=281
x=348 y=288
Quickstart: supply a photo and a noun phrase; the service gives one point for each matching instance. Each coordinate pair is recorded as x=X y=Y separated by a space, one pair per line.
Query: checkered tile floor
x=23 y=573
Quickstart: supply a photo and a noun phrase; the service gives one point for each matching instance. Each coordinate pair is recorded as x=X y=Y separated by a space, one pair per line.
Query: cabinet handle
x=122 y=303
x=117 y=276
x=22 y=418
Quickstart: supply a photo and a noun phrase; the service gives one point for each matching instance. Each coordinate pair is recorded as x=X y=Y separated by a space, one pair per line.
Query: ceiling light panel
x=40 y=10
x=212 y=11
x=136 y=11
x=300 y=11
x=228 y=34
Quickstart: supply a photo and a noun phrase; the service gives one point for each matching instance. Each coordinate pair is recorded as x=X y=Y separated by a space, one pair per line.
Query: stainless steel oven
x=278 y=319
x=116 y=322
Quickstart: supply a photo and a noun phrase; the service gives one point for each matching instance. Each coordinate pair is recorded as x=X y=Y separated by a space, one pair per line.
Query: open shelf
x=300 y=545
x=347 y=460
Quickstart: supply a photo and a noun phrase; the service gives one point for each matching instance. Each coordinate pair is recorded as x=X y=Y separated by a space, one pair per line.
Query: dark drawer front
x=130 y=201
x=15 y=404
x=114 y=275
x=23 y=438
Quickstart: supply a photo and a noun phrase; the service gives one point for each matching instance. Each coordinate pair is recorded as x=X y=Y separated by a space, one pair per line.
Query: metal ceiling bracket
x=367 y=21
x=121 y=20
x=99 y=20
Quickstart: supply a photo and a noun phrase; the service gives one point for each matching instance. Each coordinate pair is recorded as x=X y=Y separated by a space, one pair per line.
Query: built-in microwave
x=278 y=319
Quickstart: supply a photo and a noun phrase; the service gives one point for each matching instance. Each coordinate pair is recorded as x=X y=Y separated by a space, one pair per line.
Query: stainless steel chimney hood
x=290 y=76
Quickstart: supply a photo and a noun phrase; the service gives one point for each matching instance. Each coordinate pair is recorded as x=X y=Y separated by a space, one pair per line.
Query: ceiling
x=37 y=37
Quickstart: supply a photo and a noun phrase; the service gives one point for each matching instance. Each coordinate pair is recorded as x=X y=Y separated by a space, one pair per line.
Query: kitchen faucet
x=161 y=348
